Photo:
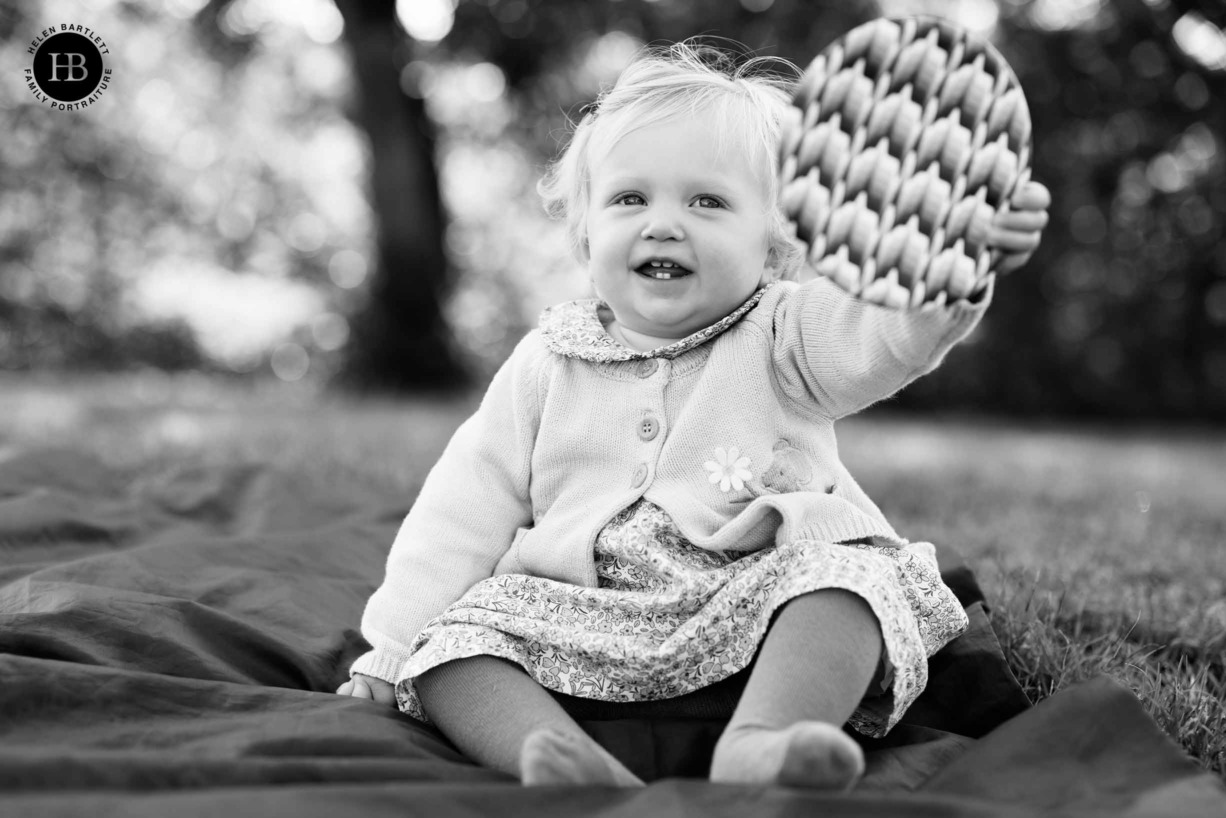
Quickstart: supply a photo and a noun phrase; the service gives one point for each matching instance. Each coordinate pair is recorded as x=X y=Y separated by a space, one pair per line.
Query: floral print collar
x=575 y=329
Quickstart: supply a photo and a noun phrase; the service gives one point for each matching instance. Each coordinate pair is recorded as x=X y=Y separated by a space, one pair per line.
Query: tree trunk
x=401 y=340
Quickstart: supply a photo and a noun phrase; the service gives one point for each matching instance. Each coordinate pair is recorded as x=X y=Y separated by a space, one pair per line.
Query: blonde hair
x=679 y=80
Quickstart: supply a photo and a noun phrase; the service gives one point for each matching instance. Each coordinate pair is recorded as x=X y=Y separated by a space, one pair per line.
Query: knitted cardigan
x=567 y=435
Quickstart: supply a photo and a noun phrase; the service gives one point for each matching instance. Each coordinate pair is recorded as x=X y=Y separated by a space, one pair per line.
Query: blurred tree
x=401 y=340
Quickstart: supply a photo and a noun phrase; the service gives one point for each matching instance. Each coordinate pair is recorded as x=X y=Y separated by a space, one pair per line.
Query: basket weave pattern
x=906 y=140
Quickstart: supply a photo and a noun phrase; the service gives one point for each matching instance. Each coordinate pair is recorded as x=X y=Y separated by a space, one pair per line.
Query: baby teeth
x=659 y=270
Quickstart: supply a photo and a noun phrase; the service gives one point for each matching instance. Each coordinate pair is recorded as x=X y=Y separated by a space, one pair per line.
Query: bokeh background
x=342 y=192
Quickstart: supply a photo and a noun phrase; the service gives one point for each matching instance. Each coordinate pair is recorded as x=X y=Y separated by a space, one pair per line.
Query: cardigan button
x=649 y=427
x=640 y=476
x=647 y=367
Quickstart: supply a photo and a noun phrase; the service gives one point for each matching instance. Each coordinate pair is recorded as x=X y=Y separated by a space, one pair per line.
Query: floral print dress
x=667 y=617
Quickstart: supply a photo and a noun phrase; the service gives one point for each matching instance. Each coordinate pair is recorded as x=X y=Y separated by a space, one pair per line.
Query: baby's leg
x=813 y=669
x=501 y=718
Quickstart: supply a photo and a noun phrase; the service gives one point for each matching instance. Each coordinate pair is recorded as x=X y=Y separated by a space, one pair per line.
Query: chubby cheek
x=597 y=244
x=608 y=258
x=604 y=284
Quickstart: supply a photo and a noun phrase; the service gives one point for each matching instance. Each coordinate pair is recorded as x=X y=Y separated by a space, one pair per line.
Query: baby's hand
x=368 y=687
x=1017 y=231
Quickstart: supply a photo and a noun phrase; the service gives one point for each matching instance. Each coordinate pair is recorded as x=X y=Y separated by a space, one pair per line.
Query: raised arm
x=843 y=354
x=464 y=519
x=846 y=354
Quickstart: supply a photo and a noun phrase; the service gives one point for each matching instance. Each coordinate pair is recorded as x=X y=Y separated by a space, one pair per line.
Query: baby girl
x=649 y=498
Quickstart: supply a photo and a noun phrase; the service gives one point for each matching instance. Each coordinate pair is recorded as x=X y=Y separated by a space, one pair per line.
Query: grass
x=1101 y=550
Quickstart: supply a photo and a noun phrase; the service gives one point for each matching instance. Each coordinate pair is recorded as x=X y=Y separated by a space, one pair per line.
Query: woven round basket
x=907 y=138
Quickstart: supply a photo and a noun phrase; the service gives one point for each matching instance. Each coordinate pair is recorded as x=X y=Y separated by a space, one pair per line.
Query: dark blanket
x=168 y=647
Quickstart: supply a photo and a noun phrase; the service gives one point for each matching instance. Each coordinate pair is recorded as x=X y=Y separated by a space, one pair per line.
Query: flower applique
x=728 y=469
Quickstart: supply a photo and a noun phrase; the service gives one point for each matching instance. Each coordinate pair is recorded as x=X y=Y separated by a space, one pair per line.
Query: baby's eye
x=708 y=201
x=632 y=199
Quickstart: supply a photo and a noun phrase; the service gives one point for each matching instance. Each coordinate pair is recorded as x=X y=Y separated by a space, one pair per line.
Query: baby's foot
x=549 y=757
x=807 y=754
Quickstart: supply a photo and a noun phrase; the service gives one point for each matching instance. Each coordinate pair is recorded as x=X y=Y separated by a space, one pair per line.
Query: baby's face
x=677 y=230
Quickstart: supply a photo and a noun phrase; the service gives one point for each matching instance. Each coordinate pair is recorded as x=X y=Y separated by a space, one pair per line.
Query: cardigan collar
x=576 y=329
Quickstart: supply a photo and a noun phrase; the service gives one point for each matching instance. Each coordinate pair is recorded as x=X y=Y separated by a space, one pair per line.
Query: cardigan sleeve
x=464 y=520
x=845 y=354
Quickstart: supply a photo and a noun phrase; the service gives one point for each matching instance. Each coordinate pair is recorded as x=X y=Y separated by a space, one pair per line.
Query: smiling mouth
x=662 y=270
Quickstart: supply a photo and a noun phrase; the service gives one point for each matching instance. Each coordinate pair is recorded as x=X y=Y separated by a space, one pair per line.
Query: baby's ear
x=785 y=260
x=772 y=269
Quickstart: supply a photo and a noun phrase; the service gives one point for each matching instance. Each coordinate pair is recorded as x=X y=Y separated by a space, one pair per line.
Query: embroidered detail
x=729 y=469
x=574 y=329
x=789 y=471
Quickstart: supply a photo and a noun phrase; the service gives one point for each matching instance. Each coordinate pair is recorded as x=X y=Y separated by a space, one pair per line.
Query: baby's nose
x=663 y=224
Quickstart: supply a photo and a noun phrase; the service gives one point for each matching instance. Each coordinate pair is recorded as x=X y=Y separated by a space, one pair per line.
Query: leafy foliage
x=200 y=168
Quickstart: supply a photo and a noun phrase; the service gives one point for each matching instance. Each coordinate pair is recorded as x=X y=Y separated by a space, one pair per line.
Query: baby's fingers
x=1020 y=221
x=1017 y=228
x=1013 y=261
x=1018 y=248
x=357 y=688
x=1016 y=232
x=1032 y=196
x=383 y=692
x=369 y=687
x=1012 y=240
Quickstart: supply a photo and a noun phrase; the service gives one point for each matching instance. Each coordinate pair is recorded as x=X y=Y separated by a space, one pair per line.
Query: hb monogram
x=74 y=62
x=68 y=71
